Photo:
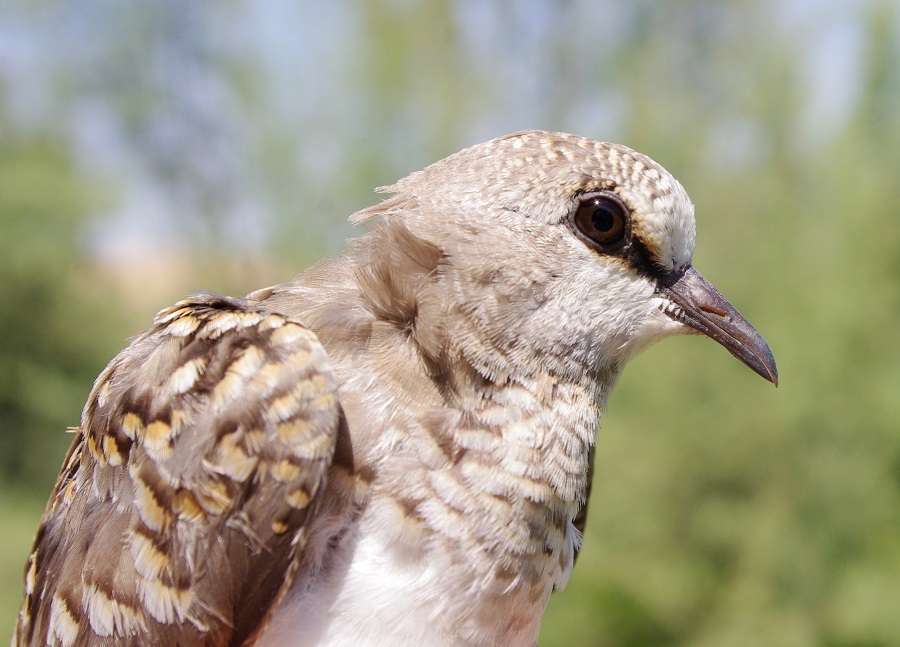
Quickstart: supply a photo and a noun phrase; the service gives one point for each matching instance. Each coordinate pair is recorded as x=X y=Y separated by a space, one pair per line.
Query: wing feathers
x=179 y=513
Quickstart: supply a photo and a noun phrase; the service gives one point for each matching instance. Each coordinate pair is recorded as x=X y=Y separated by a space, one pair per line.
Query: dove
x=396 y=446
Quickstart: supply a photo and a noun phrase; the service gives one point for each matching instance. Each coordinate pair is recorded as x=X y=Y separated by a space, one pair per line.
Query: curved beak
x=696 y=303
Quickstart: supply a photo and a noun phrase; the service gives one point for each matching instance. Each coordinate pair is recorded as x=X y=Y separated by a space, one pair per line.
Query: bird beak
x=696 y=303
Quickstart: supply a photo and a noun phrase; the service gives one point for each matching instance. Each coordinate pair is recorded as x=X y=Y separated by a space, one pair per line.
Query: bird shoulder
x=180 y=511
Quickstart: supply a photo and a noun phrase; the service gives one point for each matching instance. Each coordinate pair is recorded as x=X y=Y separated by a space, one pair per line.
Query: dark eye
x=602 y=219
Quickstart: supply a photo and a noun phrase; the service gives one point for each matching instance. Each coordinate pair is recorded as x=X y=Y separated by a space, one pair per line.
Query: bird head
x=549 y=250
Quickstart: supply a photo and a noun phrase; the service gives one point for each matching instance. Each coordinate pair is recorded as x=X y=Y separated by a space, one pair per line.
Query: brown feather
x=182 y=503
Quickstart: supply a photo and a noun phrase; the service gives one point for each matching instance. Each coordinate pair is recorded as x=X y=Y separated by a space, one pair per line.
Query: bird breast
x=467 y=527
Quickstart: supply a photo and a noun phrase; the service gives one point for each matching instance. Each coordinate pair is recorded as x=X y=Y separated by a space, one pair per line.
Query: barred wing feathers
x=183 y=505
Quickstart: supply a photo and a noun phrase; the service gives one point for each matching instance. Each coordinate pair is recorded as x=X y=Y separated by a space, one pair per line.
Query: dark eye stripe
x=603 y=221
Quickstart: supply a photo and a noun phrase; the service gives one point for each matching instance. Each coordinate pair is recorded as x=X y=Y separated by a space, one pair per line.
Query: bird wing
x=183 y=504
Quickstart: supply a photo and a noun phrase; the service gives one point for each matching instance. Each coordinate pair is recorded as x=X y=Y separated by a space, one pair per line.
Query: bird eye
x=602 y=219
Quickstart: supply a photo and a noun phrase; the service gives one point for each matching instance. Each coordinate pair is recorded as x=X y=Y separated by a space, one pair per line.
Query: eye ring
x=603 y=220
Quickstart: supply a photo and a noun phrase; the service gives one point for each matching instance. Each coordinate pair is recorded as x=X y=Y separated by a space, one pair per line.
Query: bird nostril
x=714 y=311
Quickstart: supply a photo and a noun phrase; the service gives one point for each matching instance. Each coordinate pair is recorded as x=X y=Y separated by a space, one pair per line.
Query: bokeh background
x=152 y=149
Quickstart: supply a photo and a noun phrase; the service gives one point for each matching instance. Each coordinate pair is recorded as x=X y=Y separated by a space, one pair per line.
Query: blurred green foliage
x=56 y=332
x=724 y=512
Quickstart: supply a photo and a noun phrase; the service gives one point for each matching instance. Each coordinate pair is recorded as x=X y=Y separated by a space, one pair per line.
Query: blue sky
x=92 y=68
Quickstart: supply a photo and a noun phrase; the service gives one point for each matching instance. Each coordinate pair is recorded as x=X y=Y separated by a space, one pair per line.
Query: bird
x=396 y=446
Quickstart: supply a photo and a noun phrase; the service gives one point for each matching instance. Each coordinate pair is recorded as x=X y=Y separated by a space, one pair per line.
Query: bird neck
x=486 y=489
x=489 y=437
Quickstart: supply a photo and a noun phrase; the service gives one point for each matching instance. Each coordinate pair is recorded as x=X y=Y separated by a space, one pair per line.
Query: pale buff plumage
x=394 y=448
